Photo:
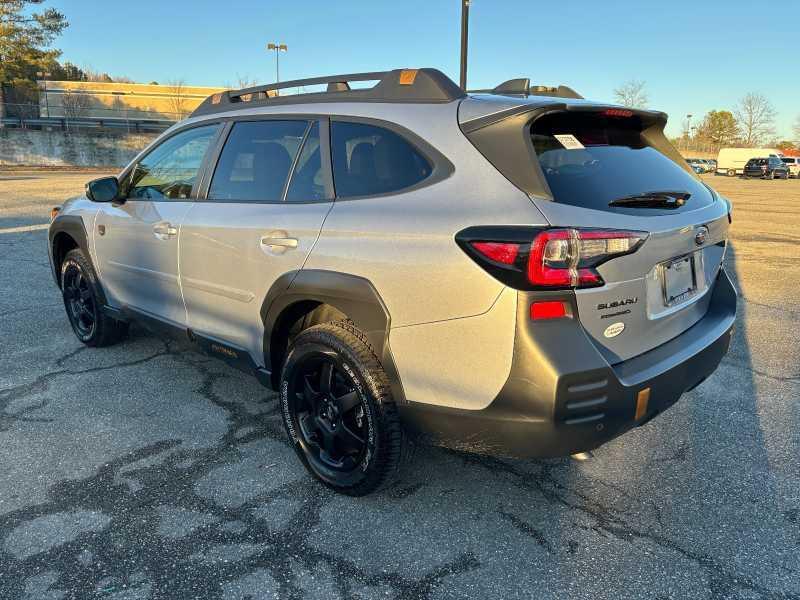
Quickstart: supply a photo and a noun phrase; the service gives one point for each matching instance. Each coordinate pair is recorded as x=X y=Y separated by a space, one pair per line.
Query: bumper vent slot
x=581 y=404
x=583 y=401
x=586 y=419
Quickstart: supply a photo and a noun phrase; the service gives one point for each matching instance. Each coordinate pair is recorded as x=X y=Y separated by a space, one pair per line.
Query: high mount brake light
x=618 y=112
x=563 y=258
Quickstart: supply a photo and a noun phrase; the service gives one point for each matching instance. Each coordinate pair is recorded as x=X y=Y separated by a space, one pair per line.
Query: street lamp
x=688 y=130
x=464 y=42
x=43 y=75
x=278 y=48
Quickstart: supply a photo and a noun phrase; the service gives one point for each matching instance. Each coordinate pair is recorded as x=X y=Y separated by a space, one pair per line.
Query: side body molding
x=354 y=296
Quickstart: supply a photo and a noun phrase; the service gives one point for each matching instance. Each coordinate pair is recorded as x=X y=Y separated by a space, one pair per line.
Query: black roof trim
x=399 y=85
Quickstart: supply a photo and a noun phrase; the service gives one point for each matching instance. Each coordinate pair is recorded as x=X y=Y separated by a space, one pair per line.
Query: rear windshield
x=591 y=160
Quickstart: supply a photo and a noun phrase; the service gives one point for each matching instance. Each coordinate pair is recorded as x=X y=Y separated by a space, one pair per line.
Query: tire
x=338 y=410
x=731 y=173
x=83 y=301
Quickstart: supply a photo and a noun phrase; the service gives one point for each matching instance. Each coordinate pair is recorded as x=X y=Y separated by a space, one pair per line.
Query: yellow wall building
x=119 y=101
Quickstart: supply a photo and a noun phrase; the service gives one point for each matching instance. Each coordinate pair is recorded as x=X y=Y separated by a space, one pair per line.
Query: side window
x=369 y=160
x=256 y=161
x=170 y=170
x=308 y=179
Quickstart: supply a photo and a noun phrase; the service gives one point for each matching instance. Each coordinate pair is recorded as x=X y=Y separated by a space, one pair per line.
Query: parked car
x=766 y=168
x=400 y=262
x=731 y=161
x=698 y=165
x=793 y=164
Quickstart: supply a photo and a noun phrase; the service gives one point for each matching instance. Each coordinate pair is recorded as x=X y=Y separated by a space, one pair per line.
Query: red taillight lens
x=567 y=257
x=548 y=310
x=498 y=251
x=528 y=258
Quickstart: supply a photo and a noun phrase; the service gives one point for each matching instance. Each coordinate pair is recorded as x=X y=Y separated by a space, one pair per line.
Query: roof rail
x=522 y=87
x=399 y=85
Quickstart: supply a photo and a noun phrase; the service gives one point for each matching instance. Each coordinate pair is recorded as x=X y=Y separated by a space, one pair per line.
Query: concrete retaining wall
x=25 y=147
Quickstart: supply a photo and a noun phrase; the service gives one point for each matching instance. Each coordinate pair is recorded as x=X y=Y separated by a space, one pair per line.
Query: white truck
x=731 y=161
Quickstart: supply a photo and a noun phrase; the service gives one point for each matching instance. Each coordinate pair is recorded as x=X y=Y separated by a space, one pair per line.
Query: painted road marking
x=25 y=228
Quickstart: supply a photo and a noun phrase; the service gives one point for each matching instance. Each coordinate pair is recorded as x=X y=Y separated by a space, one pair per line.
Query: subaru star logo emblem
x=701 y=235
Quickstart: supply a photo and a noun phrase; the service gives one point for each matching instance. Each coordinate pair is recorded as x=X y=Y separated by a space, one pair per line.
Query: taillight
x=529 y=258
x=568 y=257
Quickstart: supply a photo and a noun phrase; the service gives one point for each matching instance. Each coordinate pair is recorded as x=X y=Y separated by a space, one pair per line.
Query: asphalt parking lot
x=147 y=470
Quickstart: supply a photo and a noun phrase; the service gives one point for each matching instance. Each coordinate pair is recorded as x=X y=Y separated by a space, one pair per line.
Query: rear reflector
x=498 y=251
x=548 y=310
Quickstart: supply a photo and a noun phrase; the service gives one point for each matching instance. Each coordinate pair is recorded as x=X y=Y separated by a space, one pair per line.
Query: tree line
x=751 y=123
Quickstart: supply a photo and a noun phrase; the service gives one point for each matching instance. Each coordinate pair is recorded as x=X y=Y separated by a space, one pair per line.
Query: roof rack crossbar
x=335 y=79
x=398 y=85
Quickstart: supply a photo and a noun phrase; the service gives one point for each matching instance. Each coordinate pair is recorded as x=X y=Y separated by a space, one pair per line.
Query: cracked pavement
x=148 y=470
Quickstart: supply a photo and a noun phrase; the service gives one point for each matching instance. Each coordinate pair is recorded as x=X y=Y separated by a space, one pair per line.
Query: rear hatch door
x=612 y=170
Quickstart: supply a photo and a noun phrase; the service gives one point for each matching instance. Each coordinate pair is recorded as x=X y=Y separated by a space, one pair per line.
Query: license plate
x=678 y=280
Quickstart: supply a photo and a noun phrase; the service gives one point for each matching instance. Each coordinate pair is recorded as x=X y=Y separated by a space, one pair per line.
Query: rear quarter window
x=590 y=160
x=369 y=160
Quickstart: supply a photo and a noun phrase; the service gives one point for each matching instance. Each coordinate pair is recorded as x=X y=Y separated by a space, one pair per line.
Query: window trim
x=215 y=156
x=160 y=141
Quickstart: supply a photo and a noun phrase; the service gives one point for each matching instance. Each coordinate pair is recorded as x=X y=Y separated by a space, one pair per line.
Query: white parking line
x=25 y=228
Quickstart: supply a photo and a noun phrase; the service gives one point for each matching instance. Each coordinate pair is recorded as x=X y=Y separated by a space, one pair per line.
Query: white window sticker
x=569 y=141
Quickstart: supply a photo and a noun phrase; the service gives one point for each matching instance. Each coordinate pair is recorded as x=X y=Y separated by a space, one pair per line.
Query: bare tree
x=797 y=130
x=75 y=105
x=177 y=100
x=756 y=119
x=632 y=93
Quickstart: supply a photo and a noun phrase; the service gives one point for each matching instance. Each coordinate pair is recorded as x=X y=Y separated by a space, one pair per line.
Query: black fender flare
x=354 y=296
x=73 y=226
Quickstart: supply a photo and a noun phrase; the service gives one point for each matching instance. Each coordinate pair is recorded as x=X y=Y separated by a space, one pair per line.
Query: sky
x=693 y=56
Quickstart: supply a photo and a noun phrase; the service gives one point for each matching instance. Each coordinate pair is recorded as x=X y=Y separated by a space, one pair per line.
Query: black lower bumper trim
x=578 y=401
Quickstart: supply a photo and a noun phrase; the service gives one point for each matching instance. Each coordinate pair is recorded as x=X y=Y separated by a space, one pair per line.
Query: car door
x=136 y=239
x=265 y=203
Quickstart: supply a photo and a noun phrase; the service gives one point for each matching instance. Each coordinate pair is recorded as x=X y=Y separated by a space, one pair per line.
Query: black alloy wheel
x=338 y=410
x=79 y=301
x=332 y=422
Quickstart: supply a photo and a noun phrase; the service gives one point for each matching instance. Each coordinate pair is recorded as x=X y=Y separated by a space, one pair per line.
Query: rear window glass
x=256 y=160
x=757 y=161
x=590 y=161
x=370 y=160
x=789 y=161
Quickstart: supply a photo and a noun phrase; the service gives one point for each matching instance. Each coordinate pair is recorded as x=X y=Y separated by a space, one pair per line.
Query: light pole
x=278 y=48
x=44 y=75
x=464 y=42
x=688 y=130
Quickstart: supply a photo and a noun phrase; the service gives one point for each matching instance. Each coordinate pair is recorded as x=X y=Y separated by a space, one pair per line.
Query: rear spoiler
x=504 y=139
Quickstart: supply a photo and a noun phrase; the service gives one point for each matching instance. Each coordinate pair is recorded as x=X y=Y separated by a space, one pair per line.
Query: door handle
x=164 y=230
x=278 y=242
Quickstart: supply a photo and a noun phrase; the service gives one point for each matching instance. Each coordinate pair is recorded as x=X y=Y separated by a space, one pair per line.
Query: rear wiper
x=653 y=200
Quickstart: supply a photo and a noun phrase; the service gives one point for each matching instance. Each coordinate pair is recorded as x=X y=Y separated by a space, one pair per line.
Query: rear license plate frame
x=679 y=280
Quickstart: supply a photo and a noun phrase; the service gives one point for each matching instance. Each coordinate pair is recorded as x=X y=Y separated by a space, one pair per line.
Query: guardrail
x=28 y=116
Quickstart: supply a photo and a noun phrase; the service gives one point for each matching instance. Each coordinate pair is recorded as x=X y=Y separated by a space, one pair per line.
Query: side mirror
x=105 y=189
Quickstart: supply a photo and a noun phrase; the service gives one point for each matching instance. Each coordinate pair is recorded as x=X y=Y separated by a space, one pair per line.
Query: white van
x=731 y=161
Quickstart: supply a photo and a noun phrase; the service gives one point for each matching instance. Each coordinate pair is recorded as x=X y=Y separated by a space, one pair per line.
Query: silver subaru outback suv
x=516 y=271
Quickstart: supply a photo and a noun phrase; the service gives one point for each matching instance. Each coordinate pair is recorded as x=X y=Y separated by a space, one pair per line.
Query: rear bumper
x=562 y=397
